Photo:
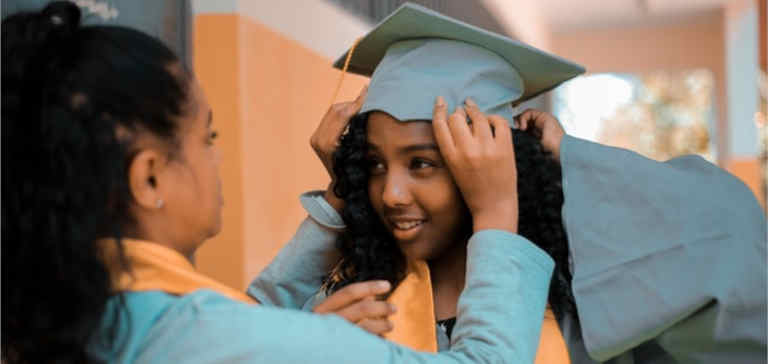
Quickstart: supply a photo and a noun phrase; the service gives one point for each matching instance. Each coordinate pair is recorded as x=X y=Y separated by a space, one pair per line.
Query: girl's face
x=411 y=188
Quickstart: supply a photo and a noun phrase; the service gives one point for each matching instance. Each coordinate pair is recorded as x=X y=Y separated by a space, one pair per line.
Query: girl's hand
x=545 y=127
x=482 y=162
x=325 y=139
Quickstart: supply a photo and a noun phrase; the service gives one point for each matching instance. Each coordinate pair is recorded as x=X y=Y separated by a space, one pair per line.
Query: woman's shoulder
x=149 y=318
x=209 y=327
x=205 y=327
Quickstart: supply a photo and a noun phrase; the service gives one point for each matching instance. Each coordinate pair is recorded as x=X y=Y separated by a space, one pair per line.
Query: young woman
x=402 y=204
x=406 y=219
x=663 y=262
x=110 y=184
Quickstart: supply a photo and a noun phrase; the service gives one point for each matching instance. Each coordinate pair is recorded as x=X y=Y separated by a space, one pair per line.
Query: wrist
x=496 y=220
x=332 y=199
x=555 y=147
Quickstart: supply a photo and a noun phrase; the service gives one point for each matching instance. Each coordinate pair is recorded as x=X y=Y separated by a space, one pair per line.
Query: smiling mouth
x=407 y=225
x=406 y=228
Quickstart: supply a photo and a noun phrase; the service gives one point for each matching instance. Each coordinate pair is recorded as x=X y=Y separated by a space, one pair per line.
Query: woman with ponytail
x=110 y=183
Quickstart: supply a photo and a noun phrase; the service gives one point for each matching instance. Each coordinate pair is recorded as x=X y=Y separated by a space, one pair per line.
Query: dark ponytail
x=72 y=99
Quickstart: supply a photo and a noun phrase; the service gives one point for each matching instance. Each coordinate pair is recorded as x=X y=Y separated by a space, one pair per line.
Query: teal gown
x=668 y=260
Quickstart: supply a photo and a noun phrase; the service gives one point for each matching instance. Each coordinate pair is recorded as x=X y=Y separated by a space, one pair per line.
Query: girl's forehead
x=383 y=128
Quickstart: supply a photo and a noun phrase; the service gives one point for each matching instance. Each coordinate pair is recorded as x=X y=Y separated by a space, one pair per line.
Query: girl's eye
x=375 y=166
x=419 y=163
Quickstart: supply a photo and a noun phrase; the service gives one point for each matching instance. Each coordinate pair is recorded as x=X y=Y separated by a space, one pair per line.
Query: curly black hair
x=368 y=250
x=72 y=97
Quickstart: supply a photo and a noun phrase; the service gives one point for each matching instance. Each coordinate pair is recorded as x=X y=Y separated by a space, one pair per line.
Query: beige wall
x=268 y=93
x=524 y=20
x=641 y=49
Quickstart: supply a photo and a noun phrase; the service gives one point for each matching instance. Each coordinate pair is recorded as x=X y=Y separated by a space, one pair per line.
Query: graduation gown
x=668 y=259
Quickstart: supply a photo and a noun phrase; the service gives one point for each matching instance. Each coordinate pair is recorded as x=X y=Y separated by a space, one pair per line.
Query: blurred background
x=664 y=78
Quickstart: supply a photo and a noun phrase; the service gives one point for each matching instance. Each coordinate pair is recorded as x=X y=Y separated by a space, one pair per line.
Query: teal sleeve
x=296 y=274
x=500 y=315
x=293 y=279
x=668 y=251
x=321 y=211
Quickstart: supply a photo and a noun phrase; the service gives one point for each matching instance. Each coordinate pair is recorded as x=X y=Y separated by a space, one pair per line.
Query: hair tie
x=63 y=17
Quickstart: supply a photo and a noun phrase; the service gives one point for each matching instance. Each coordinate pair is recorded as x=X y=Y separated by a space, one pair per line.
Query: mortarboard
x=416 y=54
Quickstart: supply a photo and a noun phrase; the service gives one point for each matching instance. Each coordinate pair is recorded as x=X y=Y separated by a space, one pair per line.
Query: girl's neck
x=448 y=274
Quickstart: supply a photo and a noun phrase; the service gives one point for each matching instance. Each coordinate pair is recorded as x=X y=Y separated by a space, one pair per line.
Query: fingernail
x=392 y=308
x=382 y=285
x=440 y=101
x=470 y=102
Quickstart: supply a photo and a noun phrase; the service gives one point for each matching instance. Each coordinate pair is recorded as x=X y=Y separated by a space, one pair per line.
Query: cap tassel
x=344 y=70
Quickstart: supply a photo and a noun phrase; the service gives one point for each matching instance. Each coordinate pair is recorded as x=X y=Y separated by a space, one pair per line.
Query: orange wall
x=748 y=170
x=272 y=92
x=286 y=90
x=216 y=67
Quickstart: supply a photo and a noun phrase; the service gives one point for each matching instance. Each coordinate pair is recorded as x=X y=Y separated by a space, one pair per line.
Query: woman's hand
x=482 y=162
x=358 y=304
x=545 y=127
x=325 y=139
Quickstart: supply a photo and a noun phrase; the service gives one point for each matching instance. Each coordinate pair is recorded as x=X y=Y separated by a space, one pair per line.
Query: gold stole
x=415 y=324
x=154 y=267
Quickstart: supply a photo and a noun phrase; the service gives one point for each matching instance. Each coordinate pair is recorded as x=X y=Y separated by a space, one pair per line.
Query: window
x=660 y=115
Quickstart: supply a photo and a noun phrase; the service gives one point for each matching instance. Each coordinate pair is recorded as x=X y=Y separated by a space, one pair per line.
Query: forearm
x=296 y=274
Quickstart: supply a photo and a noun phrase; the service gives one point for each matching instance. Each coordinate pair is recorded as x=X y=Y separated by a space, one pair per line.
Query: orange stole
x=552 y=348
x=155 y=267
x=415 y=324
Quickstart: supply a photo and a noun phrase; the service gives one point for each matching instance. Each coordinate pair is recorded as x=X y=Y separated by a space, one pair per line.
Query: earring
x=159 y=203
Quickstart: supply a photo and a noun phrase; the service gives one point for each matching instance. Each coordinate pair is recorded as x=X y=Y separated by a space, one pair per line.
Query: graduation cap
x=416 y=54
